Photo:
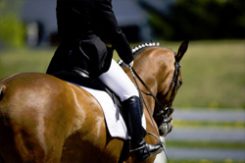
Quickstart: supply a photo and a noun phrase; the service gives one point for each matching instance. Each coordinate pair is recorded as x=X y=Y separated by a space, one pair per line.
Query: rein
x=163 y=114
x=173 y=87
x=149 y=93
x=134 y=73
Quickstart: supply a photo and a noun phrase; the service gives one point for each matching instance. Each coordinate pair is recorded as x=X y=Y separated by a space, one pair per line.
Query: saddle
x=80 y=77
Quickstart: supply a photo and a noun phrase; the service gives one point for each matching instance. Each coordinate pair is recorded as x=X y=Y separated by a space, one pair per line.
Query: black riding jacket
x=85 y=27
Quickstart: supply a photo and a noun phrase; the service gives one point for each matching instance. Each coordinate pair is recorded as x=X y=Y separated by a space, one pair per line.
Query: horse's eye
x=180 y=82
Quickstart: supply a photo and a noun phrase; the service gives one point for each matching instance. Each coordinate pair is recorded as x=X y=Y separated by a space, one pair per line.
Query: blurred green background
x=213 y=71
x=213 y=68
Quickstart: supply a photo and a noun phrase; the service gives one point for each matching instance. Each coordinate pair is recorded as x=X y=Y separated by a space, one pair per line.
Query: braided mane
x=136 y=50
x=140 y=47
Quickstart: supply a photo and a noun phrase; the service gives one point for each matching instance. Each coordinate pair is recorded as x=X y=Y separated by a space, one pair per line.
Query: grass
x=214 y=75
x=24 y=60
x=213 y=71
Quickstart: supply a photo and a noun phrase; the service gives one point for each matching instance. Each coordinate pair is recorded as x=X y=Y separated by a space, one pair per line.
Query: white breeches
x=118 y=81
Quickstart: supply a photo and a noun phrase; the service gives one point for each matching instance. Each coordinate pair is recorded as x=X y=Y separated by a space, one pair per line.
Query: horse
x=46 y=119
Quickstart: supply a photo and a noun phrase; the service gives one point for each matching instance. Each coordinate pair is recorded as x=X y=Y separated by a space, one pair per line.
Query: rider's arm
x=111 y=30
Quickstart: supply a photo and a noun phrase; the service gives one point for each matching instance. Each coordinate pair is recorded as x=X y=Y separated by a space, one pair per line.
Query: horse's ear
x=181 y=51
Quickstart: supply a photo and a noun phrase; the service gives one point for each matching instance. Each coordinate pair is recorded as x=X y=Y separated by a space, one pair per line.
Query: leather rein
x=162 y=115
x=172 y=90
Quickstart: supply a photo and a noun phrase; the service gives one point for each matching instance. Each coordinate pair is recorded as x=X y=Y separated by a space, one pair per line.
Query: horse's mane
x=137 y=49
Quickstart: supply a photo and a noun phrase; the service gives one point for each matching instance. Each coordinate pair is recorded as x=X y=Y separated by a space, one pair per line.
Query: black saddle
x=81 y=78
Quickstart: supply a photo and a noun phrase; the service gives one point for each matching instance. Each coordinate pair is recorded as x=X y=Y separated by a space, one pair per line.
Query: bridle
x=174 y=85
x=172 y=90
x=162 y=116
x=163 y=110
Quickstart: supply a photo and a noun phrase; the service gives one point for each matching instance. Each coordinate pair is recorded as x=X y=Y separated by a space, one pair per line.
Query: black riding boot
x=133 y=112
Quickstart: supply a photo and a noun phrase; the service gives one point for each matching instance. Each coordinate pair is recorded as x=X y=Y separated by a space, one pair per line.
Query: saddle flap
x=113 y=117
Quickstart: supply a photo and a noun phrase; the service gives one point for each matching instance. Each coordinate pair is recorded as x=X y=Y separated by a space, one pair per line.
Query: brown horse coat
x=45 y=119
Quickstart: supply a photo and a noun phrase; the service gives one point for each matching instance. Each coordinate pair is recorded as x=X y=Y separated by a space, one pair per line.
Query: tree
x=11 y=27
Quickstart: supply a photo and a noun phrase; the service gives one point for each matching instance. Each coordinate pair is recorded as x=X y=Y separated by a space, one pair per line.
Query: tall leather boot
x=133 y=109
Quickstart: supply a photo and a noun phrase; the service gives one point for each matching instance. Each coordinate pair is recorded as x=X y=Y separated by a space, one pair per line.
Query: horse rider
x=87 y=28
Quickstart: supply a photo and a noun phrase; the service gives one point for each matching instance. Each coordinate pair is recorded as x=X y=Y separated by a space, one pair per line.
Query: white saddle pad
x=114 y=120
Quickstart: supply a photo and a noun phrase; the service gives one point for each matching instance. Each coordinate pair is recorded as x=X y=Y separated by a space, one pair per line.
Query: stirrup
x=144 y=150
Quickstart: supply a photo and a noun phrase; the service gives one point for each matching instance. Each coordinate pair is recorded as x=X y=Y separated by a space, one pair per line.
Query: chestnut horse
x=46 y=119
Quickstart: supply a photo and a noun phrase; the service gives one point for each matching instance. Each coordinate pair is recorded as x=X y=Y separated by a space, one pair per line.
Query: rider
x=86 y=28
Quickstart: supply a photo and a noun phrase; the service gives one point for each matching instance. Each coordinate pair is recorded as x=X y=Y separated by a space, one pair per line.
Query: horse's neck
x=147 y=66
x=148 y=74
x=154 y=66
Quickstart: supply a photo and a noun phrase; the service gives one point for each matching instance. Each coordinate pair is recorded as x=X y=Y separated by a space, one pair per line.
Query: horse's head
x=167 y=90
x=159 y=68
x=172 y=80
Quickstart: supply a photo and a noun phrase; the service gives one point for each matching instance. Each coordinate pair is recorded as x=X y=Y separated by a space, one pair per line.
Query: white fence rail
x=209 y=134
